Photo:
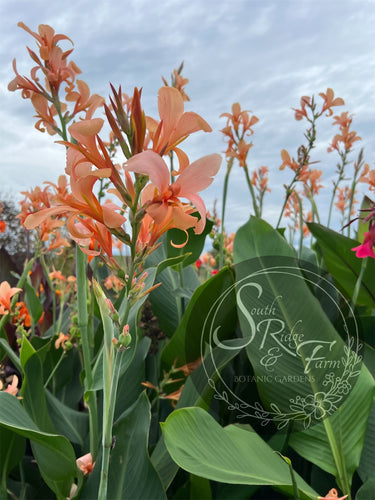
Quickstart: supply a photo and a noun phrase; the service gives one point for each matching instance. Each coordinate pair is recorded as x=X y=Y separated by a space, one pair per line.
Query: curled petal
x=200 y=206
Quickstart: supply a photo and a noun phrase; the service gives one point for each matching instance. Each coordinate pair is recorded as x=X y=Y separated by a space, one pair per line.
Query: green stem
x=81 y=263
x=225 y=192
x=314 y=208
x=357 y=286
x=252 y=192
x=289 y=191
x=108 y=424
x=335 y=186
x=300 y=214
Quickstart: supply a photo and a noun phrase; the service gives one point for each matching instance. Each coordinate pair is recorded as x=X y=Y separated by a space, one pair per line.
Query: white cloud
x=265 y=55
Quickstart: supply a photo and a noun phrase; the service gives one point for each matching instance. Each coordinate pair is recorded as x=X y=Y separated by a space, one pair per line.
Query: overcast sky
x=264 y=54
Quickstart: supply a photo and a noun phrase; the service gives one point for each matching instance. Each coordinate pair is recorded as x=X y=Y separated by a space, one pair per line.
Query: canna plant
x=135 y=363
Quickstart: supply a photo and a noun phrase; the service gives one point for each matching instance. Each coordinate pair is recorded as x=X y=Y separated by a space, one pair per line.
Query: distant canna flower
x=302 y=113
x=368 y=176
x=288 y=161
x=347 y=137
x=330 y=101
x=178 y=81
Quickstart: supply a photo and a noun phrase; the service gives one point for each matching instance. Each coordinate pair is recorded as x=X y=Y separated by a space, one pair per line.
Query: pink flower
x=366 y=248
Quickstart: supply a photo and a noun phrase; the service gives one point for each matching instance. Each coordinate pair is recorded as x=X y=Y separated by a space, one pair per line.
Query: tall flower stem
x=289 y=191
x=300 y=214
x=111 y=372
x=225 y=192
x=108 y=416
x=252 y=192
x=81 y=263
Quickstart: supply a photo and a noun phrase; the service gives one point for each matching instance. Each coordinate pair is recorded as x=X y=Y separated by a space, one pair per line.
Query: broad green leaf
x=303 y=385
x=33 y=394
x=48 y=459
x=366 y=469
x=12 y=449
x=278 y=316
x=166 y=305
x=343 y=264
x=132 y=475
x=197 y=391
x=366 y=491
x=186 y=343
x=348 y=426
x=257 y=238
x=234 y=454
x=68 y=422
x=130 y=382
x=27 y=350
x=55 y=455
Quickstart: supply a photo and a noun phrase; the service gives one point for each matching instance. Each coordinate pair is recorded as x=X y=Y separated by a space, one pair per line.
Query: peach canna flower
x=368 y=176
x=175 y=125
x=302 y=113
x=6 y=294
x=330 y=101
x=239 y=117
x=161 y=200
x=332 y=495
x=13 y=386
x=288 y=161
x=85 y=464
x=52 y=62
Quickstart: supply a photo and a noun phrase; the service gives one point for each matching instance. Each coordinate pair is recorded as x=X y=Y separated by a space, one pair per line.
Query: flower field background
x=112 y=384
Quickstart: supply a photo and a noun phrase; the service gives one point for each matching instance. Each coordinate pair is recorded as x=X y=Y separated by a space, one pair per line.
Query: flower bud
x=125 y=337
x=113 y=313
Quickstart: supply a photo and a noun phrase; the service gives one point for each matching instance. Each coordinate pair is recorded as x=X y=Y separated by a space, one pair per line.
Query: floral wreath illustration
x=315 y=406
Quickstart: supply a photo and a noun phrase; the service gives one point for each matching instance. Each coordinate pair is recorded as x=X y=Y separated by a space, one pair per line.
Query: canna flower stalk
x=238 y=128
x=300 y=167
x=342 y=143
